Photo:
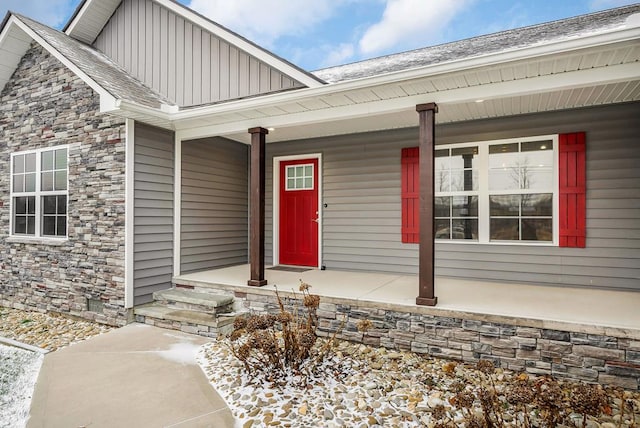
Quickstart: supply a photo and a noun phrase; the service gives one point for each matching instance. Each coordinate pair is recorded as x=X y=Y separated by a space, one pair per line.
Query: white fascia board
x=422 y=72
x=128 y=106
x=107 y=101
x=243 y=44
x=541 y=84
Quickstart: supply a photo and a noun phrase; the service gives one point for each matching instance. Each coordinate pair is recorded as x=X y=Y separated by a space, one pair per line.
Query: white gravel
x=365 y=387
x=18 y=374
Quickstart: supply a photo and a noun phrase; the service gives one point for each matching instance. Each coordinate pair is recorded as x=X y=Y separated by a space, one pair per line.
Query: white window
x=497 y=191
x=456 y=202
x=300 y=177
x=39 y=190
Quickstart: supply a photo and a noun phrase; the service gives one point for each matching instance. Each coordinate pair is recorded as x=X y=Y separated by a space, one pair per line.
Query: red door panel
x=299 y=212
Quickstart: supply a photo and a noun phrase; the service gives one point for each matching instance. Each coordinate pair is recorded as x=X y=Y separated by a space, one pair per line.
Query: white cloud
x=264 y=21
x=414 y=22
x=338 y=54
x=51 y=12
x=608 y=4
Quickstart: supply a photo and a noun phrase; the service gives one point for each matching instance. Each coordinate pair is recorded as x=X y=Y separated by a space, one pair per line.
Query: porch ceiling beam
x=426 y=245
x=257 y=198
x=189 y=128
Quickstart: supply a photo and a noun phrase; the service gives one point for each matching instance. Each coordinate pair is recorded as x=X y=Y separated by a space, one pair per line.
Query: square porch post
x=426 y=294
x=256 y=198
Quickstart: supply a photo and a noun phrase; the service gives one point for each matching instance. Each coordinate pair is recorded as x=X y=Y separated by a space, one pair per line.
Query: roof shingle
x=105 y=72
x=492 y=43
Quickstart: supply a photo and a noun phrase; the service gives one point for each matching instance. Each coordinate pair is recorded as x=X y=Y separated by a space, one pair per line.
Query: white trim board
x=177 y=203
x=129 y=203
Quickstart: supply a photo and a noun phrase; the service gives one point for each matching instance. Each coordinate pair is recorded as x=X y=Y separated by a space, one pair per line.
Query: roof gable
x=92 y=16
x=94 y=68
x=182 y=61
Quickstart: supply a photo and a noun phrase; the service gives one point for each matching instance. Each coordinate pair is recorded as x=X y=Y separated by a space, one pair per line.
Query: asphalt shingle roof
x=492 y=43
x=105 y=72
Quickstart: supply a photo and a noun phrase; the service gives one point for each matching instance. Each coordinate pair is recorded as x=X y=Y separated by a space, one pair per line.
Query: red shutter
x=410 y=204
x=572 y=170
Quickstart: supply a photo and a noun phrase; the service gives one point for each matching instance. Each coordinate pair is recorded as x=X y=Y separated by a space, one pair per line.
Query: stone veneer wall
x=44 y=105
x=574 y=351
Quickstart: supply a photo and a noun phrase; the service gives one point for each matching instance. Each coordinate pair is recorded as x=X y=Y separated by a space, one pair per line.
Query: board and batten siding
x=182 y=61
x=214 y=220
x=153 y=205
x=362 y=220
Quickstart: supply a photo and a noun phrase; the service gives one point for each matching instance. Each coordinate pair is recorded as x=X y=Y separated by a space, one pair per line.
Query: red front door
x=299 y=212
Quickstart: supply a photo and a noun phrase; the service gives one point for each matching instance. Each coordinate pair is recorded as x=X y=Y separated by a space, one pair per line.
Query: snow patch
x=19 y=371
x=183 y=353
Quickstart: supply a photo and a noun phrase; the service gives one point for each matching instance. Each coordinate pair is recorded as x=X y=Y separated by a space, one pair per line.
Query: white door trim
x=276 y=203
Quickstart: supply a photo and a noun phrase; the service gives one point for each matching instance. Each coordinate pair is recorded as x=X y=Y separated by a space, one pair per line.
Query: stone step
x=188 y=321
x=177 y=298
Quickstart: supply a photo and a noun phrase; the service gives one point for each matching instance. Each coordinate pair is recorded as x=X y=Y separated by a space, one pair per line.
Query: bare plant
x=589 y=400
x=520 y=394
x=548 y=399
x=488 y=396
x=271 y=343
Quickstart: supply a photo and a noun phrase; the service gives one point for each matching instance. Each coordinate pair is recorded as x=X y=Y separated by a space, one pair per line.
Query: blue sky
x=332 y=32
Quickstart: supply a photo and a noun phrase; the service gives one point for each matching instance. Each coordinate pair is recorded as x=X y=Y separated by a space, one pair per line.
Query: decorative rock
x=403 y=395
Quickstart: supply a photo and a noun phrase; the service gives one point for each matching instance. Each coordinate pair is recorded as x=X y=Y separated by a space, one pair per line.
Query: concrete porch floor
x=598 y=311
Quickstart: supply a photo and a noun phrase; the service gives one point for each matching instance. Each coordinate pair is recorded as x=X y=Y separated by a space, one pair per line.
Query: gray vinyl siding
x=362 y=221
x=153 y=225
x=182 y=61
x=214 y=221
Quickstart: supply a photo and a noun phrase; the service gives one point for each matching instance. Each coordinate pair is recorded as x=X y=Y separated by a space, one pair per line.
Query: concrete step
x=188 y=321
x=186 y=299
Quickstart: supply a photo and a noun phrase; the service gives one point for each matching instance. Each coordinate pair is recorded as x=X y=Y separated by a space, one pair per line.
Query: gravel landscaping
x=47 y=331
x=362 y=386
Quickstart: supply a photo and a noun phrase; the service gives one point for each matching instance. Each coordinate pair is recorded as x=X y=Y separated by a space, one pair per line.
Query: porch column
x=256 y=216
x=426 y=295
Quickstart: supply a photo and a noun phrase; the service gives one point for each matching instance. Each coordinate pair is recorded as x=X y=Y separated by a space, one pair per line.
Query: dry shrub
x=269 y=344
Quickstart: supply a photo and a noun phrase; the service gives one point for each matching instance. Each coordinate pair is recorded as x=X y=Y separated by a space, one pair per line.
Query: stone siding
x=45 y=105
x=572 y=352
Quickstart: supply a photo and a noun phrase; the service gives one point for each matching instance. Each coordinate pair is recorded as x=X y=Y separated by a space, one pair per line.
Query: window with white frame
x=521 y=188
x=39 y=190
x=456 y=201
x=299 y=177
x=497 y=191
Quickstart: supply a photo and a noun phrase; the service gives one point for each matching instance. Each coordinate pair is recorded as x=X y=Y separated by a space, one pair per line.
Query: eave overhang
x=592 y=70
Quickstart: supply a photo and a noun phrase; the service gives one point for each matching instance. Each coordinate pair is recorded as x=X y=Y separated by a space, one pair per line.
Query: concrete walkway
x=135 y=376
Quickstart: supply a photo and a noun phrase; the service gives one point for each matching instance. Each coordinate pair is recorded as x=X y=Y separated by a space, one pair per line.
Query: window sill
x=496 y=243
x=37 y=241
